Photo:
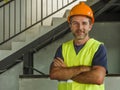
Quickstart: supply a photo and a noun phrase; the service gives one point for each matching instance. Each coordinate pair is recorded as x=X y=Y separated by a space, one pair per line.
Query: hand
x=58 y=62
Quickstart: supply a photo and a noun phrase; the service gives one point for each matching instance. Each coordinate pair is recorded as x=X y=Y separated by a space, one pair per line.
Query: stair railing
x=17 y=16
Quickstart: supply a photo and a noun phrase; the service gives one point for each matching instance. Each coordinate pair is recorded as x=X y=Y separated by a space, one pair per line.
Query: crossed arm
x=81 y=74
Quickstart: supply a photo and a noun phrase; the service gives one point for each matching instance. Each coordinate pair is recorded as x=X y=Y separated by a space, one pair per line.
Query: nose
x=80 y=26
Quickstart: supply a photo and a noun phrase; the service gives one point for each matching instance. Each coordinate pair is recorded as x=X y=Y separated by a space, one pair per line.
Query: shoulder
x=101 y=48
x=94 y=41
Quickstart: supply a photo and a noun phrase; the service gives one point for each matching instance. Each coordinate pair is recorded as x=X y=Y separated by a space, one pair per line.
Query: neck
x=81 y=42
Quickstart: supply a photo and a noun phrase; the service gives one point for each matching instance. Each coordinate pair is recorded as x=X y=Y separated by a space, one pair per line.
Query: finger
x=60 y=60
x=57 y=62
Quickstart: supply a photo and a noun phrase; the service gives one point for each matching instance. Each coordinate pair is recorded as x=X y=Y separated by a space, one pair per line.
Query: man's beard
x=80 y=37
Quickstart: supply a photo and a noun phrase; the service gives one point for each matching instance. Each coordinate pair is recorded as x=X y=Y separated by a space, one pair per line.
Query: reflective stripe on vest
x=84 y=57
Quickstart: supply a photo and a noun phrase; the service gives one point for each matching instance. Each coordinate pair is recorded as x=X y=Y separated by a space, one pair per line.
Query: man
x=81 y=63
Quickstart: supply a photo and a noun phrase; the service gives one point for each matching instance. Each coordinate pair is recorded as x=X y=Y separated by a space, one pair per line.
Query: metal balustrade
x=17 y=16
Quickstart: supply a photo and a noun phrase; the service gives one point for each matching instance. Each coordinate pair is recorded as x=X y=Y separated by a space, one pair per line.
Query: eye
x=74 y=23
x=84 y=23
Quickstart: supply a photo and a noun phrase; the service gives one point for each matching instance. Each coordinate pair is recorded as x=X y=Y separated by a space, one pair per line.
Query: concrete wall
x=111 y=83
x=10 y=79
x=37 y=84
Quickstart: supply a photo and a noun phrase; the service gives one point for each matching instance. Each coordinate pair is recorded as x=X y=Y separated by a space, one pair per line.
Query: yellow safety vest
x=84 y=57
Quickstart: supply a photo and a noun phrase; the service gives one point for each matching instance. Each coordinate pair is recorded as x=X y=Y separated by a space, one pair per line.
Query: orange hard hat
x=81 y=9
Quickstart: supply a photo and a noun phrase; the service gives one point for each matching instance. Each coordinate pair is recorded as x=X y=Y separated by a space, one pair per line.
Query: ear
x=70 y=25
x=90 y=27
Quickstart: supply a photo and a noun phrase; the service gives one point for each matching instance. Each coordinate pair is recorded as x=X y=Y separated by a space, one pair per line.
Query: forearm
x=95 y=76
x=65 y=73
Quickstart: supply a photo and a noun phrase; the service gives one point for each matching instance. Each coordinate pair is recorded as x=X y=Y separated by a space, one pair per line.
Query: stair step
x=20 y=38
x=17 y=45
x=37 y=84
x=45 y=29
x=32 y=33
x=27 y=37
x=58 y=21
x=6 y=46
x=66 y=13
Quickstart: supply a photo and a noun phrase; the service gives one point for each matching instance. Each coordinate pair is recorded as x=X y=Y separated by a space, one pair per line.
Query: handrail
x=6 y=3
x=18 y=16
x=1 y=0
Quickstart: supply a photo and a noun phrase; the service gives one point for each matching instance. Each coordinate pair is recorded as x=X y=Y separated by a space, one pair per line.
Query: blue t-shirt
x=100 y=57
